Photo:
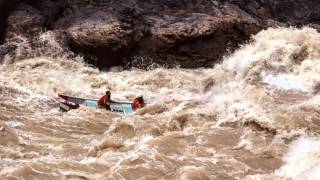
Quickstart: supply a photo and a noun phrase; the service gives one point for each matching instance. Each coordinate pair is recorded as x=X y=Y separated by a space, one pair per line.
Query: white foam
x=302 y=160
x=233 y=97
x=284 y=81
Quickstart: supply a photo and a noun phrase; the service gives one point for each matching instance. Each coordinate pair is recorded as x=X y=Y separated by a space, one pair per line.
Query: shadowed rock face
x=26 y=21
x=296 y=11
x=187 y=33
x=5 y=7
x=102 y=37
x=139 y=33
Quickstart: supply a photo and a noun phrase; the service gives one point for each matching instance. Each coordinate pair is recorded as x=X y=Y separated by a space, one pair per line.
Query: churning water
x=255 y=115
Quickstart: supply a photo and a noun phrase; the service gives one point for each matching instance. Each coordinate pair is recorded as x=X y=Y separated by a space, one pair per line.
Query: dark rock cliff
x=6 y=6
x=187 y=33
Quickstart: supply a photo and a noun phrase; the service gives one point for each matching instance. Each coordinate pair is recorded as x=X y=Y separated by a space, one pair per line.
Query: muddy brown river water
x=255 y=115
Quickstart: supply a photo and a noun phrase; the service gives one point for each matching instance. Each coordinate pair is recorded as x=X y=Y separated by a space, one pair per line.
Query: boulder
x=102 y=37
x=196 y=40
x=172 y=33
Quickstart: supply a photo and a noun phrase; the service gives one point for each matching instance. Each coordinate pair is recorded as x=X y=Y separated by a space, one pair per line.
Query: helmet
x=140 y=96
x=108 y=94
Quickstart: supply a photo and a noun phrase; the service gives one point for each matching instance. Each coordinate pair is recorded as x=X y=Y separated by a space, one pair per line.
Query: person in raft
x=104 y=100
x=138 y=102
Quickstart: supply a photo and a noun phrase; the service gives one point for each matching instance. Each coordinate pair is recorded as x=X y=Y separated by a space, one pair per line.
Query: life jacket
x=103 y=100
x=136 y=104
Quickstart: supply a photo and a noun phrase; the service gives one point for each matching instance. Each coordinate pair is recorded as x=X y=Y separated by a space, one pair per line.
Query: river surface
x=255 y=115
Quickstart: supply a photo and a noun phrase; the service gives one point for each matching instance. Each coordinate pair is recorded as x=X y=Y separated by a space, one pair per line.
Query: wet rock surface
x=139 y=33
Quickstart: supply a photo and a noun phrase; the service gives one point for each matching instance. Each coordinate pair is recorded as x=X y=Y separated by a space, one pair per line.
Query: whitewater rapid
x=255 y=115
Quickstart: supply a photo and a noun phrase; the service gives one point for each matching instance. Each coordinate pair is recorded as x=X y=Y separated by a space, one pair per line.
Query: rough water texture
x=241 y=119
